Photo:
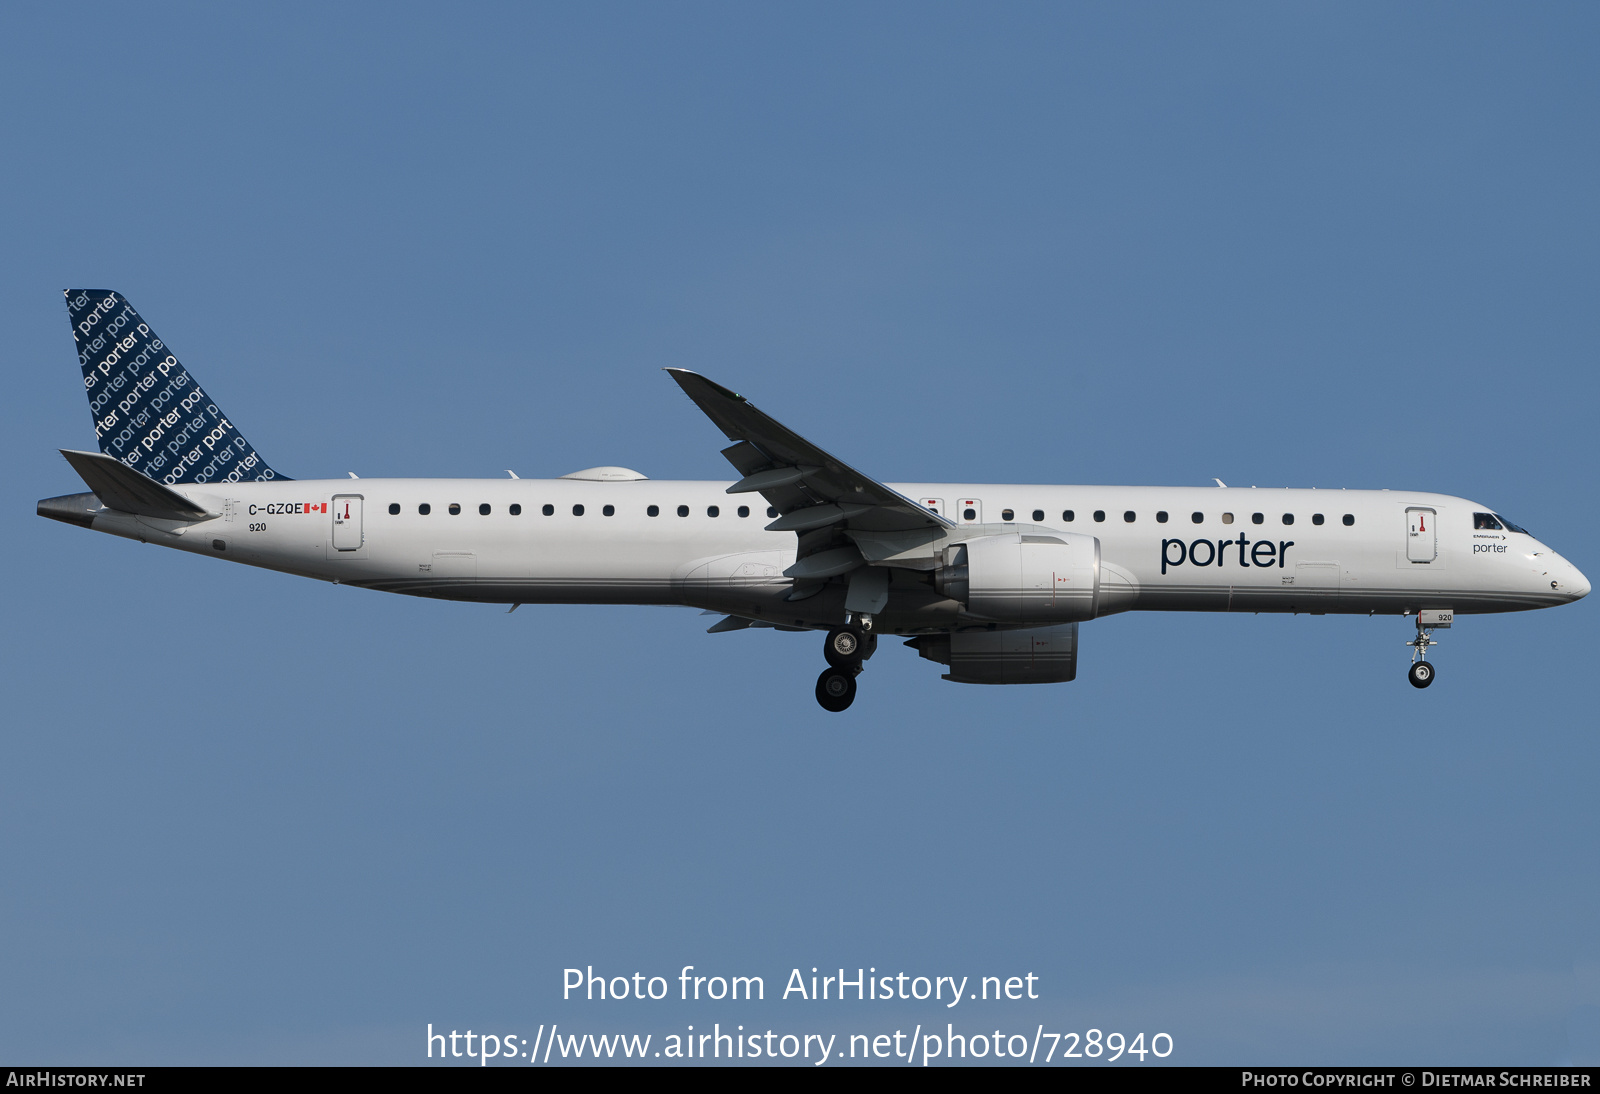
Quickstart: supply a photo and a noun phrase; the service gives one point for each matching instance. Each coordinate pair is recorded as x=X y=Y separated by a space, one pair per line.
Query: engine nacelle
x=1020 y=578
x=1024 y=655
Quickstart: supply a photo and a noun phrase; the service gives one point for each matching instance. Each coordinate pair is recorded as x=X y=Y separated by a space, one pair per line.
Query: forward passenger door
x=1422 y=541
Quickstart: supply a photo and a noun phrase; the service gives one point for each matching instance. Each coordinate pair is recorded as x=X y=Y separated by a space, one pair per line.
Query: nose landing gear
x=1421 y=672
x=845 y=649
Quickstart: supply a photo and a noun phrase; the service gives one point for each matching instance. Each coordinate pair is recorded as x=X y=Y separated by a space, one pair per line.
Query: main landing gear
x=1421 y=672
x=845 y=649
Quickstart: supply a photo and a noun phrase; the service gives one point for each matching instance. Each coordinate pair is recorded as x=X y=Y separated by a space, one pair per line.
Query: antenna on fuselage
x=1219 y=482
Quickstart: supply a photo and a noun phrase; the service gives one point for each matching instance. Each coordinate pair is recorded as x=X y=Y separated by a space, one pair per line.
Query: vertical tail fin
x=148 y=412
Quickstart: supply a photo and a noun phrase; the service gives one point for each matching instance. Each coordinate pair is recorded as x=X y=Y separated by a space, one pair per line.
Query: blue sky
x=251 y=818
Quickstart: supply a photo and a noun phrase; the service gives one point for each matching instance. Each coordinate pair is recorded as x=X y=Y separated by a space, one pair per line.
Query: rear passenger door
x=347 y=533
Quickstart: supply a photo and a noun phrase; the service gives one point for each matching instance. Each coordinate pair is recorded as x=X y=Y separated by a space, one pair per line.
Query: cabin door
x=1422 y=542
x=347 y=522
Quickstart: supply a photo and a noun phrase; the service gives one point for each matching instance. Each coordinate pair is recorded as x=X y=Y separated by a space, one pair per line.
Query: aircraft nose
x=1576 y=585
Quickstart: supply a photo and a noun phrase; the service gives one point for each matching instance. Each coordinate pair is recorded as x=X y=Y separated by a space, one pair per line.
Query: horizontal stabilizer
x=121 y=487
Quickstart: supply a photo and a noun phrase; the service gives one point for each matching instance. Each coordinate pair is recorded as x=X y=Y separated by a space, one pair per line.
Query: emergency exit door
x=1422 y=542
x=346 y=511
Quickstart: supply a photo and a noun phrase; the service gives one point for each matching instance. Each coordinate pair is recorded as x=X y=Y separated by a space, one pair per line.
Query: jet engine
x=1020 y=578
x=1023 y=655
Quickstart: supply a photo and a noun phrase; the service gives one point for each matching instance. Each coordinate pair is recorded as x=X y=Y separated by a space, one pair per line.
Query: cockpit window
x=1485 y=522
x=1512 y=527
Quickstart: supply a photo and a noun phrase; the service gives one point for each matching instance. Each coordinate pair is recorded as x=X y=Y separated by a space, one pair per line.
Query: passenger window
x=1256 y=518
x=549 y=510
x=515 y=510
x=1007 y=515
x=1227 y=518
x=653 y=511
x=483 y=510
x=771 y=511
x=1316 y=518
x=683 y=510
x=744 y=510
x=394 y=508
x=969 y=514
x=1099 y=515
x=1038 y=516
x=1197 y=517
x=609 y=511
x=577 y=510
x=455 y=509
x=1128 y=516
x=1349 y=519
x=424 y=508
x=1161 y=516
x=713 y=511
x=1068 y=515
x=1288 y=518
x=1485 y=522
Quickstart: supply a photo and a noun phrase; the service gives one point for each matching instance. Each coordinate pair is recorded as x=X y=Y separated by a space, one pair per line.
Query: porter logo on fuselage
x=1214 y=552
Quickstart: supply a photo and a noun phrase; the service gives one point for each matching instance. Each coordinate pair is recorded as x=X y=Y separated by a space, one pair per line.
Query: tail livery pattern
x=148 y=412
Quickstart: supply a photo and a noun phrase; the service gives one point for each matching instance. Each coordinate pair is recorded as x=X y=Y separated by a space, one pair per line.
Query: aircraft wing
x=838 y=512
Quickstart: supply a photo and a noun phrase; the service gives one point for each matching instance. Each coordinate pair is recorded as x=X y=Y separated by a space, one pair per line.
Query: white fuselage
x=1211 y=552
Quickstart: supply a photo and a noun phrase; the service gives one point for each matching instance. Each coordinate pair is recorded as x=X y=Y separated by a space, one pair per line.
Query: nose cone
x=1576 y=585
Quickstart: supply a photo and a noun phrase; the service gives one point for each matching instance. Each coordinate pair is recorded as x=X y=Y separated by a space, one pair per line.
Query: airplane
x=991 y=581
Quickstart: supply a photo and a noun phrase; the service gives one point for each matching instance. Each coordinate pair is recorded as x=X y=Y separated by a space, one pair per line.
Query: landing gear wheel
x=836 y=689
x=1421 y=674
x=843 y=649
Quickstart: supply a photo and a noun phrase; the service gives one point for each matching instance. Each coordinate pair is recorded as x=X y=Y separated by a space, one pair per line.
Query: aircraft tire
x=843 y=649
x=1421 y=674
x=836 y=689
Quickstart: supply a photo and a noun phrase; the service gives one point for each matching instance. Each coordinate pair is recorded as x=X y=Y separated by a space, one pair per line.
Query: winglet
x=688 y=380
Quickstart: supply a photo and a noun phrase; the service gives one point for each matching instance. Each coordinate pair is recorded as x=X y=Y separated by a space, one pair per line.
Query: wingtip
x=683 y=376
